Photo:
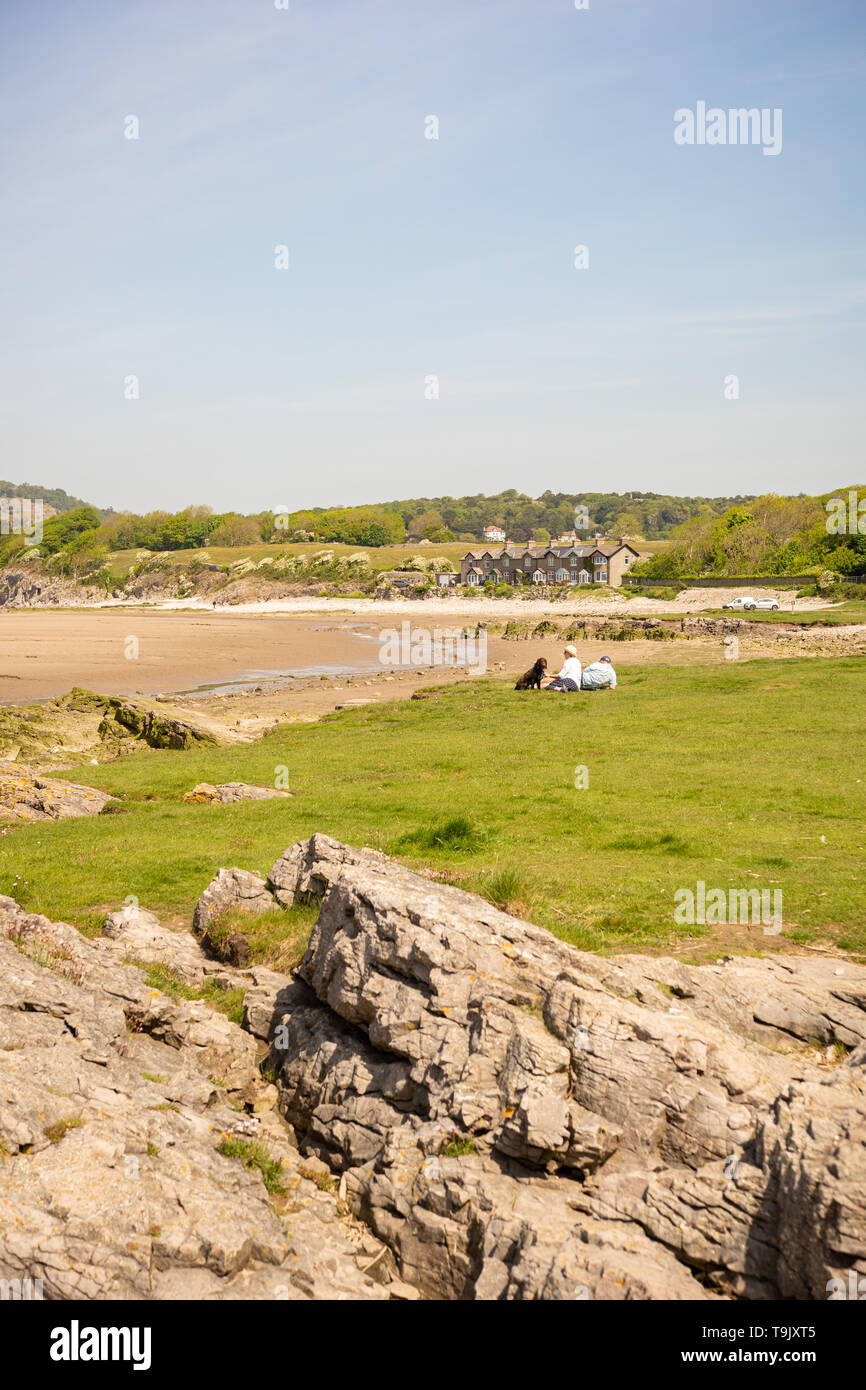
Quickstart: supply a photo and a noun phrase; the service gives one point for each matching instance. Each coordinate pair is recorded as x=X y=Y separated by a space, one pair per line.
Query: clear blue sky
x=411 y=257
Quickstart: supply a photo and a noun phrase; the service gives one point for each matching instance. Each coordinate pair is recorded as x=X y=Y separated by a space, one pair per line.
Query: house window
x=562 y=576
x=472 y=577
x=626 y=560
x=528 y=561
x=601 y=576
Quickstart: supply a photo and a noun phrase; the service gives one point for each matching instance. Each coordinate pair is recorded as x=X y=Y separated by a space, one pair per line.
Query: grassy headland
x=745 y=777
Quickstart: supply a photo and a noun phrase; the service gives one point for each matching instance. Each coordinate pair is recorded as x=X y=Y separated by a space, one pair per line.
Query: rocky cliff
x=502 y=1116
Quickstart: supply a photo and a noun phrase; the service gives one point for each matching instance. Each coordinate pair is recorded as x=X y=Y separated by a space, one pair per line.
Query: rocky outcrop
x=83 y=724
x=132 y=719
x=29 y=586
x=26 y=795
x=590 y=629
x=139 y=1157
x=518 y=1119
x=231 y=888
x=504 y=1117
x=140 y=936
x=224 y=793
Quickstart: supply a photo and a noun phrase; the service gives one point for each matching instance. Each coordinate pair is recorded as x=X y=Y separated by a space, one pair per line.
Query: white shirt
x=599 y=674
x=570 y=670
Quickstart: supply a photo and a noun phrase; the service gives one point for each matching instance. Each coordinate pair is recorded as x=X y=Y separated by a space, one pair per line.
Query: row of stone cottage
x=547 y=564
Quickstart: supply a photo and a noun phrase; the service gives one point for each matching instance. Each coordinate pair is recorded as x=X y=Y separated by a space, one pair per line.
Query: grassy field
x=746 y=777
x=381 y=557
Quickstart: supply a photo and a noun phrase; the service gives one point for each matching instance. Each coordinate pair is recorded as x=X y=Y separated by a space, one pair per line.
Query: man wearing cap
x=599 y=675
x=569 y=676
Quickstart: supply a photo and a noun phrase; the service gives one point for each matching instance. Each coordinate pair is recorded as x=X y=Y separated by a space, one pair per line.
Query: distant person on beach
x=599 y=675
x=569 y=676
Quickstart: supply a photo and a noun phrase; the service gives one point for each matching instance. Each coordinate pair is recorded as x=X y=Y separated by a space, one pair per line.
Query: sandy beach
x=294 y=658
x=276 y=664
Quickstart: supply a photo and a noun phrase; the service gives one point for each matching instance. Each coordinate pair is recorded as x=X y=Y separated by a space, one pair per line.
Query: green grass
x=509 y=888
x=727 y=774
x=228 y=1001
x=278 y=937
x=457 y=833
x=255 y=1155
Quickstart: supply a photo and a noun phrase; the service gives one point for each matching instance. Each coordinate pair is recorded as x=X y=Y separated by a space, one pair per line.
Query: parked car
x=770 y=605
x=742 y=602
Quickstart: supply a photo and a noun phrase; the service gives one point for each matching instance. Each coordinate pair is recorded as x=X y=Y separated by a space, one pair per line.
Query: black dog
x=531 y=679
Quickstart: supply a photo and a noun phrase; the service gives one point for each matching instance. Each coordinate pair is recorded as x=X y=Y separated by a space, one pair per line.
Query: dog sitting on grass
x=531 y=679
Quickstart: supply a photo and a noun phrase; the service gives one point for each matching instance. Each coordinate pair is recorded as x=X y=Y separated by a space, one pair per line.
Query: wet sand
x=278 y=663
x=45 y=653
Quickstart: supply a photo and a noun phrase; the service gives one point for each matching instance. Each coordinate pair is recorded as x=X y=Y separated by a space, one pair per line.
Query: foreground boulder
x=114 y=1109
x=504 y=1117
x=27 y=795
x=231 y=888
x=519 y=1119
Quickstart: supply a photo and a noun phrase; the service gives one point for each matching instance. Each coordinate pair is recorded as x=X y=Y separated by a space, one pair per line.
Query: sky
x=432 y=333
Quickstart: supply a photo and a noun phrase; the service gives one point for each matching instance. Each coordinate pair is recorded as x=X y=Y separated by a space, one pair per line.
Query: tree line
x=769 y=535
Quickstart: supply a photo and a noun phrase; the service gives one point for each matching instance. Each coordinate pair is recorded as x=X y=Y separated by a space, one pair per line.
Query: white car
x=769 y=605
x=742 y=602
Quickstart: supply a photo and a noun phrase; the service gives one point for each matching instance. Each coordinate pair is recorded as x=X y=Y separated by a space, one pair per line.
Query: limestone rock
x=225 y=792
x=27 y=795
x=112 y=1183
x=133 y=933
x=505 y=1117
x=517 y=1119
x=306 y=868
x=231 y=888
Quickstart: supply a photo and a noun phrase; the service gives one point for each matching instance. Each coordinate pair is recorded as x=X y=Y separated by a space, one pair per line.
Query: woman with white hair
x=569 y=676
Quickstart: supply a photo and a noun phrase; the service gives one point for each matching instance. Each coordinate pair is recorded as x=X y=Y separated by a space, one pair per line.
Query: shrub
x=509 y=889
x=456 y=833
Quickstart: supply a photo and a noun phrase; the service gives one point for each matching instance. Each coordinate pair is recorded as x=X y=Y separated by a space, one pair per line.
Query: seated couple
x=599 y=675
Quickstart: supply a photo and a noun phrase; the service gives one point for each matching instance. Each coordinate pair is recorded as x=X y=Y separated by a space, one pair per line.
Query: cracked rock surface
x=114 y=1100
x=519 y=1119
x=458 y=1106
